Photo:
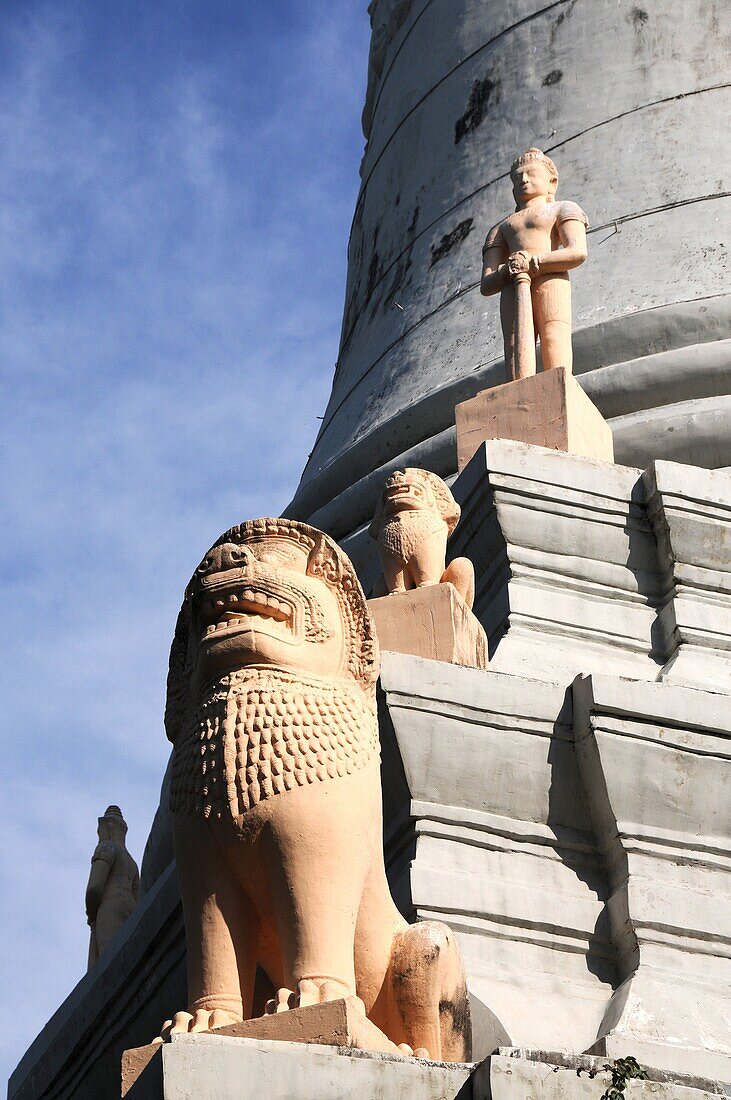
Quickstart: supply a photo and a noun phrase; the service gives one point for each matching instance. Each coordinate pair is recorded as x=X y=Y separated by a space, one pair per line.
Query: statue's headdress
x=531 y=155
x=113 y=815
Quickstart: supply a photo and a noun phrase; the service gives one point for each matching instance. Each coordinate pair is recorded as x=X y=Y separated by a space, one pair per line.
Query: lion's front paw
x=309 y=991
x=201 y=1019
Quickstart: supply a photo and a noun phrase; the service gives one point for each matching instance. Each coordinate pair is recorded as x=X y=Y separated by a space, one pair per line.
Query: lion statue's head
x=414 y=490
x=270 y=594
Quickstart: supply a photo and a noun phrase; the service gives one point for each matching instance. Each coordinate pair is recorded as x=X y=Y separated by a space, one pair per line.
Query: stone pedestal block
x=515 y=1074
x=210 y=1065
x=488 y=829
x=432 y=622
x=656 y=765
x=690 y=513
x=567 y=574
x=340 y=1023
x=549 y=409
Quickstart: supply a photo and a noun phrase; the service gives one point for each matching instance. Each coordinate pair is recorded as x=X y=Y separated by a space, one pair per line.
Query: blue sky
x=177 y=181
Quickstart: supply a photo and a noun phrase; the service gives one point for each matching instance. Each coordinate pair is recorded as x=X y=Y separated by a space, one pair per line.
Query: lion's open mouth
x=234 y=609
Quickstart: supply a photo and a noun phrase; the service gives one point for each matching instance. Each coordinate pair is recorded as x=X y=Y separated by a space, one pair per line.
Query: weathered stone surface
x=656 y=766
x=488 y=828
x=549 y=409
x=339 y=1024
x=142 y=1071
x=208 y=1065
x=334 y=1023
x=568 y=578
x=238 y=1069
x=432 y=622
x=690 y=511
x=511 y=1075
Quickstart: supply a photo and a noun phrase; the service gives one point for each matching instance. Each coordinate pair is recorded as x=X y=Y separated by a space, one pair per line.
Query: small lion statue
x=415 y=516
x=276 y=800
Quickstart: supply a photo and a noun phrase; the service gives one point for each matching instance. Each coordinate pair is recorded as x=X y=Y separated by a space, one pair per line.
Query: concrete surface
x=604 y=87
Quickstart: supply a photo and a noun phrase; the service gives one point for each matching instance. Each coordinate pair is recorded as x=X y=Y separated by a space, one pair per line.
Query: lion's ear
x=449 y=510
x=374 y=529
x=177 y=687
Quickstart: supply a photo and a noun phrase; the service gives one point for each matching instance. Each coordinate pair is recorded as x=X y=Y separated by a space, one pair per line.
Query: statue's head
x=414 y=490
x=112 y=826
x=271 y=593
x=533 y=175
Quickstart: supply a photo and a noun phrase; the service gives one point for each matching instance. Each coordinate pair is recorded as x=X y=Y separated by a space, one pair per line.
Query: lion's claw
x=190 y=1023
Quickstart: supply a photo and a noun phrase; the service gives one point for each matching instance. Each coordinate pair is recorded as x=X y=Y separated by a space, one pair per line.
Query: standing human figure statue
x=114 y=883
x=527 y=258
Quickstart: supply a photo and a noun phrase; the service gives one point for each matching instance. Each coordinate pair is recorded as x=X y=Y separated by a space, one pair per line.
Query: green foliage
x=622 y=1071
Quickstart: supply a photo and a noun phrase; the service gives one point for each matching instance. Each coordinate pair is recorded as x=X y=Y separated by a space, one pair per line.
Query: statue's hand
x=518 y=264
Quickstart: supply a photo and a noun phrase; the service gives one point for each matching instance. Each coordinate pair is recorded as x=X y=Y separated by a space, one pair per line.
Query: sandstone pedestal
x=339 y=1024
x=432 y=622
x=548 y=410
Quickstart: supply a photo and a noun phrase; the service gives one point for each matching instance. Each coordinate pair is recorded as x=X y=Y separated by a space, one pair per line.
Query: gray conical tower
x=628 y=100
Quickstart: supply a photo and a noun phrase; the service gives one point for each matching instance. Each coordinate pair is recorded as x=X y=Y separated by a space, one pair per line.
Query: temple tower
x=625 y=96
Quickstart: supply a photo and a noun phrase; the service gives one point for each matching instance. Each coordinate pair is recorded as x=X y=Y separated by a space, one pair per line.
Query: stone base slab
x=340 y=1023
x=549 y=409
x=432 y=622
x=514 y=1074
x=210 y=1065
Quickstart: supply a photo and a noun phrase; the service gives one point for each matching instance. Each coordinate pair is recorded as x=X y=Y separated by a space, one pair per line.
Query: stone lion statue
x=415 y=516
x=276 y=799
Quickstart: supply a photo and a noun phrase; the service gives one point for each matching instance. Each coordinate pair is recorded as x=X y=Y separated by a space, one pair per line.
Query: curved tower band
x=623 y=97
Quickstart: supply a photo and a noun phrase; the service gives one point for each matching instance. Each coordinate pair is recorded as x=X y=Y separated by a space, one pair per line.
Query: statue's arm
x=572 y=234
x=100 y=868
x=494 y=271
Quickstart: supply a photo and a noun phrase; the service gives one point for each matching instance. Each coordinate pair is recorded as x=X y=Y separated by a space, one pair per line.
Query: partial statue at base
x=113 y=889
x=425 y=607
x=276 y=801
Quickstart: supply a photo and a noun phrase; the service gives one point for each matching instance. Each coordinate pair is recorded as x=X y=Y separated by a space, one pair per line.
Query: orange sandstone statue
x=114 y=883
x=415 y=516
x=527 y=258
x=276 y=799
